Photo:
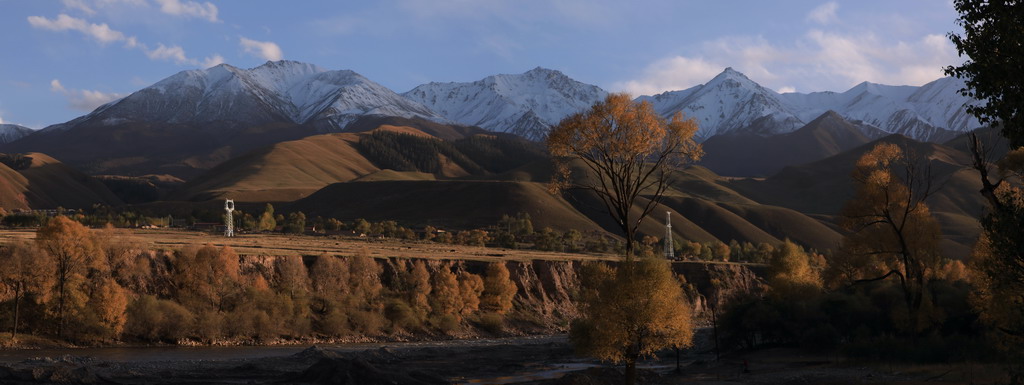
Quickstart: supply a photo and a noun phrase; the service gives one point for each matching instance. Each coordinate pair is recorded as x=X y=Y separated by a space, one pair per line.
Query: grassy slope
x=282 y=172
x=48 y=183
x=458 y=204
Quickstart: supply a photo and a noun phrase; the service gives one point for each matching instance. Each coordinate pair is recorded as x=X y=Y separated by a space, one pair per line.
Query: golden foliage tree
x=203 y=277
x=892 y=231
x=107 y=304
x=292 y=276
x=329 y=276
x=73 y=251
x=628 y=150
x=446 y=298
x=631 y=312
x=470 y=286
x=25 y=270
x=998 y=264
x=364 y=299
x=499 y=290
x=416 y=289
x=267 y=220
x=791 y=270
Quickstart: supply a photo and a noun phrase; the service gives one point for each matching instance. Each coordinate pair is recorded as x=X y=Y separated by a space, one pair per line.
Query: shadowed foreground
x=536 y=360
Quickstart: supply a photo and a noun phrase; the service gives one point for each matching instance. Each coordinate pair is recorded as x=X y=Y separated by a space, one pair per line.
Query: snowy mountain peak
x=526 y=104
x=11 y=132
x=276 y=91
x=729 y=103
x=732 y=102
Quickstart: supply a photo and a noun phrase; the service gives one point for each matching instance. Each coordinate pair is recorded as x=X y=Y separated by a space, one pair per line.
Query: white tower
x=670 y=252
x=229 y=220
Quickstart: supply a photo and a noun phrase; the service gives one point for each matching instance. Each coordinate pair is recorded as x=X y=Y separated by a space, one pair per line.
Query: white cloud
x=101 y=32
x=824 y=14
x=212 y=61
x=1 y=120
x=79 y=5
x=816 y=61
x=55 y=86
x=205 y=10
x=262 y=49
x=786 y=89
x=174 y=52
x=674 y=73
x=85 y=100
x=104 y=34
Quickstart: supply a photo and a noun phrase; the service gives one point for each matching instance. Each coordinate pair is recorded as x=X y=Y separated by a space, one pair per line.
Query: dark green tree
x=993 y=41
x=296 y=223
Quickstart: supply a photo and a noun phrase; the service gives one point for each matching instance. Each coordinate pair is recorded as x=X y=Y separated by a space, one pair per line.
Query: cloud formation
x=104 y=35
x=101 y=32
x=824 y=14
x=192 y=9
x=261 y=49
x=84 y=100
x=818 y=60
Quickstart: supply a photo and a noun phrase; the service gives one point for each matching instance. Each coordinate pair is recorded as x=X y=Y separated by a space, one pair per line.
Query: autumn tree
x=471 y=286
x=791 y=270
x=892 y=233
x=364 y=297
x=446 y=298
x=25 y=270
x=267 y=220
x=627 y=150
x=329 y=277
x=414 y=284
x=499 y=290
x=72 y=250
x=631 y=312
x=204 y=276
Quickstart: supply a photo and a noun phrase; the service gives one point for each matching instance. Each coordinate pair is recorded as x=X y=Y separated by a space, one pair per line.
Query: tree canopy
x=628 y=150
x=993 y=40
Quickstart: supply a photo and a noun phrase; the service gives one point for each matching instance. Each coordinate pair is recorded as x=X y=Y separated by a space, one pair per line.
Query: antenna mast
x=229 y=220
x=670 y=252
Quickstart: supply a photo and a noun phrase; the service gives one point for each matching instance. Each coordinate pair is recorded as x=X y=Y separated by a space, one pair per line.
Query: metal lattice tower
x=229 y=220
x=670 y=251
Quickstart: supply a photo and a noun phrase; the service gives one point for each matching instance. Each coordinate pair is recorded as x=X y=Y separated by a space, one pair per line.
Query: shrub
x=492 y=322
x=400 y=315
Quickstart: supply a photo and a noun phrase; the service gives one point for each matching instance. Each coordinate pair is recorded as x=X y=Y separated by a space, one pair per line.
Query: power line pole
x=229 y=220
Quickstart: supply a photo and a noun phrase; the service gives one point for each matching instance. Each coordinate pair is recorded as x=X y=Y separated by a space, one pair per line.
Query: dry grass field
x=281 y=244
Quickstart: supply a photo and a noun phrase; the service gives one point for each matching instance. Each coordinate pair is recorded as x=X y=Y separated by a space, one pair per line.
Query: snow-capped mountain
x=526 y=104
x=12 y=132
x=732 y=103
x=729 y=103
x=282 y=91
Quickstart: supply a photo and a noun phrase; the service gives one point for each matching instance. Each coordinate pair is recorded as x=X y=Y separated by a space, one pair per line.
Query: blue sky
x=60 y=59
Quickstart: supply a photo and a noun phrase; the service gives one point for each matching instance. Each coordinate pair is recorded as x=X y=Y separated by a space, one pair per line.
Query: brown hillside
x=41 y=182
x=282 y=172
x=823 y=188
x=184 y=151
x=755 y=155
x=439 y=130
x=451 y=204
x=292 y=170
